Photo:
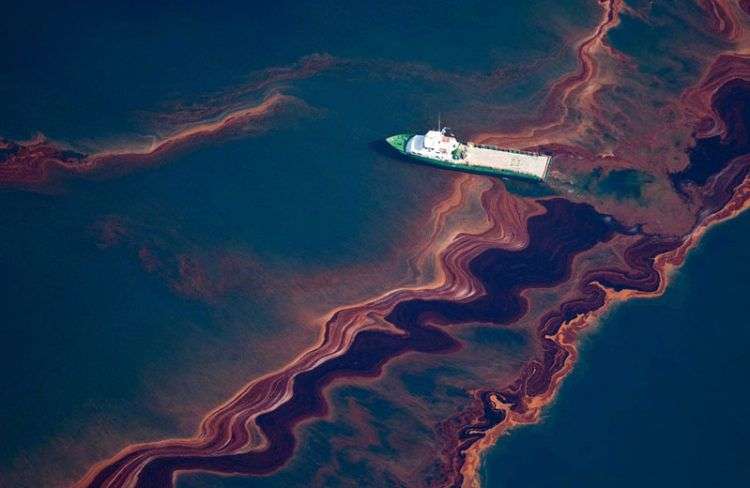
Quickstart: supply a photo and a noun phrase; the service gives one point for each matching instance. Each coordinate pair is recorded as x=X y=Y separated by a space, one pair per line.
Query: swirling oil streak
x=481 y=279
x=652 y=259
x=697 y=100
x=214 y=106
x=226 y=430
x=478 y=287
x=40 y=164
x=723 y=16
x=721 y=191
x=554 y=112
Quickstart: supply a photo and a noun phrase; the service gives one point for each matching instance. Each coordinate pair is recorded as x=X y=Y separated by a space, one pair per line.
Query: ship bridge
x=434 y=144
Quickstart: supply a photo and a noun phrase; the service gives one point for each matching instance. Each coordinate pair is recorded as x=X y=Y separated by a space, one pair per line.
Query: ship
x=441 y=148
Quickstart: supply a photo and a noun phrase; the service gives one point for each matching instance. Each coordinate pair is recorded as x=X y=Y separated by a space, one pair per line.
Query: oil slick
x=538 y=270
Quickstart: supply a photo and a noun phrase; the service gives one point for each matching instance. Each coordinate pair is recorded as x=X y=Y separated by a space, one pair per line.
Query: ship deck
x=480 y=159
x=504 y=160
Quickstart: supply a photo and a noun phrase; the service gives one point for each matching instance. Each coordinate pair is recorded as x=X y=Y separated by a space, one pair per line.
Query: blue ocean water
x=658 y=397
x=86 y=70
x=88 y=333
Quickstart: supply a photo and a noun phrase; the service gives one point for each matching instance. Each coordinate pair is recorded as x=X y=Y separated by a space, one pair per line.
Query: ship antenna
x=439 y=128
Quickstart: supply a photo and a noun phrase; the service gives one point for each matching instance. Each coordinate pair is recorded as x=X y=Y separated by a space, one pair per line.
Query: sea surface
x=106 y=339
x=658 y=395
x=133 y=305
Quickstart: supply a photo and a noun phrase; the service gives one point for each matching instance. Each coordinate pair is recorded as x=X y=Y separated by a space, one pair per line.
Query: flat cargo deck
x=518 y=162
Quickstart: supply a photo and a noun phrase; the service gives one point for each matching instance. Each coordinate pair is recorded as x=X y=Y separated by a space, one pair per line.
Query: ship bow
x=398 y=142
